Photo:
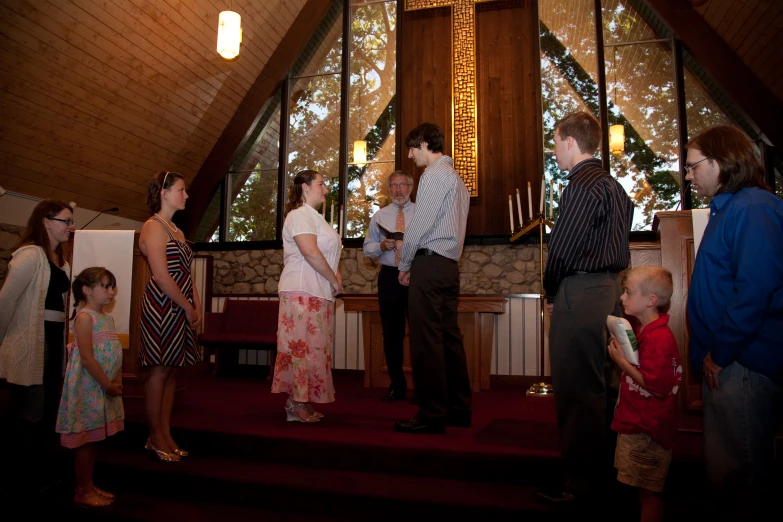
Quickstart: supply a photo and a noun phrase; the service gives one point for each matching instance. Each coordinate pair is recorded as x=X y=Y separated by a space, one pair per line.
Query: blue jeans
x=740 y=421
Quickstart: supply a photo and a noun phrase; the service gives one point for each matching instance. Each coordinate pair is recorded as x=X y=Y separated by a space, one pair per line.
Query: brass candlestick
x=539 y=389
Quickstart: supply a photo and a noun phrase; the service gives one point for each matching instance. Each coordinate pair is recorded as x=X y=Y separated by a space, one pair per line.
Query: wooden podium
x=675 y=250
x=476 y=316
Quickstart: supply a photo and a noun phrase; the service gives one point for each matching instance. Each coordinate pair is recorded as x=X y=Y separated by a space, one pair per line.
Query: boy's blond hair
x=654 y=280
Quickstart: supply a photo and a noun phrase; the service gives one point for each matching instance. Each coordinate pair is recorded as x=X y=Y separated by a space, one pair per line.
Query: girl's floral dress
x=86 y=413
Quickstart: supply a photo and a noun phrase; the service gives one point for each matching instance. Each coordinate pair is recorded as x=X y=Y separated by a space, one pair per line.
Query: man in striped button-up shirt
x=430 y=253
x=587 y=250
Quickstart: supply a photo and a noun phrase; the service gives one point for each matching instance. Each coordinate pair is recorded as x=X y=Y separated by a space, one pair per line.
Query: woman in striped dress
x=169 y=311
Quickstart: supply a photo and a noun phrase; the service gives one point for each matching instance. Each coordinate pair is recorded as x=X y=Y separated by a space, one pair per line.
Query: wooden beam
x=215 y=167
x=720 y=60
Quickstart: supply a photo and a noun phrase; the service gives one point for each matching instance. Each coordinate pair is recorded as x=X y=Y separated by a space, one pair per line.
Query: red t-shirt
x=637 y=410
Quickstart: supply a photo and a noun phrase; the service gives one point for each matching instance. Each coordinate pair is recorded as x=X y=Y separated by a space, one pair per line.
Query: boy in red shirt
x=646 y=412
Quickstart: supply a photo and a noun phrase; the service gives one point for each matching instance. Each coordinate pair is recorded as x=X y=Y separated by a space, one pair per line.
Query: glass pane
x=323 y=53
x=568 y=72
x=314 y=134
x=253 y=215
x=622 y=23
x=368 y=191
x=702 y=112
x=641 y=96
x=373 y=80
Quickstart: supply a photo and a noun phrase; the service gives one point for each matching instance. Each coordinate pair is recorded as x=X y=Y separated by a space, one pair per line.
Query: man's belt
x=427 y=252
x=582 y=272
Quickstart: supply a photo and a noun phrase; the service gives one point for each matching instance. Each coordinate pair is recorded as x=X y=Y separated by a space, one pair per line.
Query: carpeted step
x=413 y=456
x=348 y=495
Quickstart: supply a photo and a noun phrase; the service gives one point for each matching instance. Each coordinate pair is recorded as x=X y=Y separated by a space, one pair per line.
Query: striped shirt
x=442 y=204
x=591 y=234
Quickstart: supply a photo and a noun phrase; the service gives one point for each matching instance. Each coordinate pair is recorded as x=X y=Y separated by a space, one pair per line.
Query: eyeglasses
x=69 y=222
x=399 y=185
x=689 y=168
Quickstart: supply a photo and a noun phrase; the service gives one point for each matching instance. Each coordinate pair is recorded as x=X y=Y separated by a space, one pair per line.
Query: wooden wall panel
x=510 y=149
x=508 y=110
x=424 y=68
x=97 y=95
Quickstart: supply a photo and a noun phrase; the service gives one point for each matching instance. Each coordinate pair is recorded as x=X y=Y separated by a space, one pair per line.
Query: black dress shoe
x=459 y=420
x=392 y=396
x=417 y=425
x=556 y=497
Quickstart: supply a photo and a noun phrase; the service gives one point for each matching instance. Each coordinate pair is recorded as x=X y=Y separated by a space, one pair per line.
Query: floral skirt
x=303 y=368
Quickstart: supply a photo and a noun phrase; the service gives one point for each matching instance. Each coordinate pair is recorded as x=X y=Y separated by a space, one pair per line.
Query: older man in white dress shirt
x=392 y=295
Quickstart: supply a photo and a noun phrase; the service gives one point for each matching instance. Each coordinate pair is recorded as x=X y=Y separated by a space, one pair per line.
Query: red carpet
x=248 y=463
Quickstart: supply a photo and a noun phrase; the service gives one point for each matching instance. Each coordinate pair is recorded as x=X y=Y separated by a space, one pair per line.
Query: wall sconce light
x=229 y=34
x=616 y=139
x=360 y=152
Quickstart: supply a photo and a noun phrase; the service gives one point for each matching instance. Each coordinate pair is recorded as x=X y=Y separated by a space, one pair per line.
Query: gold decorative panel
x=464 y=132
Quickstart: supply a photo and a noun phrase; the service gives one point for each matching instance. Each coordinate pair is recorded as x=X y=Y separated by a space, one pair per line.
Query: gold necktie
x=400 y=228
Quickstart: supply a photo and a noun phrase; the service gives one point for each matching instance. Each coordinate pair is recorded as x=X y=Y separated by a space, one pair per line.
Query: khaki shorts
x=640 y=462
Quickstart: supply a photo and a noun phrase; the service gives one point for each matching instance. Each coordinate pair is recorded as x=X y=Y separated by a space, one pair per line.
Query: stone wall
x=9 y=239
x=484 y=269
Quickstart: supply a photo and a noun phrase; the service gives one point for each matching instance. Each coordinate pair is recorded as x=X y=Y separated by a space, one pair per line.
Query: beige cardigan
x=22 y=300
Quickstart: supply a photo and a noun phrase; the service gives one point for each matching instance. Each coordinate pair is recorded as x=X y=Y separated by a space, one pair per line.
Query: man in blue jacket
x=735 y=307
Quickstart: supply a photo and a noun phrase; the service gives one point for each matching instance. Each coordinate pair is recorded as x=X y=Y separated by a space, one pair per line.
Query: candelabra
x=539 y=388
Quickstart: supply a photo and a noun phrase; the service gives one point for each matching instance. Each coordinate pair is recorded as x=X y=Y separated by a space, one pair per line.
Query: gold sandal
x=104 y=494
x=91 y=499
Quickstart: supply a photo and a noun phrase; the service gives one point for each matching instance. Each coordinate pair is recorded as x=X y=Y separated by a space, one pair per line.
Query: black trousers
x=584 y=378
x=393 y=303
x=440 y=370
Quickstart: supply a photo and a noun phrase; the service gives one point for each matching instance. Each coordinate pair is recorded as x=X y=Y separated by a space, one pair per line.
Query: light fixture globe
x=229 y=34
x=360 y=152
x=616 y=139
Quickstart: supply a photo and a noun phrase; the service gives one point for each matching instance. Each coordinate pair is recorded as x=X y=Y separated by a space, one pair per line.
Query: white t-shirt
x=298 y=275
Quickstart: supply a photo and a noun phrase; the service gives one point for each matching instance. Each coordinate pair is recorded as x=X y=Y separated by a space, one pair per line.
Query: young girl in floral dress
x=91 y=403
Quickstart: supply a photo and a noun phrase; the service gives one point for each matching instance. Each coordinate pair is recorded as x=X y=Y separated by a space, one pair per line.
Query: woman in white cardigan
x=32 y=326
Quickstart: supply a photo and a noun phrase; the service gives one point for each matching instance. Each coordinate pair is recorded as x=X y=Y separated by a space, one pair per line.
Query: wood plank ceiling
x=754 y=29
x=97 y=96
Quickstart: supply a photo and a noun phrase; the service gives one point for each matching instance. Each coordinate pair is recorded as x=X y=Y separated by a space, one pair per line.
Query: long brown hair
x=295 y=191
x=160 y=181
x=35 y=232
x=733 y=150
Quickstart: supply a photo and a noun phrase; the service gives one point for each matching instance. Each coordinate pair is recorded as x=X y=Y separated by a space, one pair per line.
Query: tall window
x=569 y=80
x=372 y=111
x=252 y=215
x=642 y=98
x=314 y=124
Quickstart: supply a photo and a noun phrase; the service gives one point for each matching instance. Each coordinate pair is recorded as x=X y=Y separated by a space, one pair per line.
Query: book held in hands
x=386 y=233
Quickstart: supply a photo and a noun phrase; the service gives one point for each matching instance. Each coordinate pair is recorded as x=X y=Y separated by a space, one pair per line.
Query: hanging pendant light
x=616 y=132
x=617 y=139
x=229 y=34
x=360 y=152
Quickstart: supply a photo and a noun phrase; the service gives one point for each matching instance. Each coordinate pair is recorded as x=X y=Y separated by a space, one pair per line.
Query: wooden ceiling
x=97 y=96
x=753 y=29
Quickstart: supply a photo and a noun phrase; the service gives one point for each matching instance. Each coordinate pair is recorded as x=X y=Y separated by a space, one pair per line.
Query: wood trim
x=215 y=167
x=736 y=78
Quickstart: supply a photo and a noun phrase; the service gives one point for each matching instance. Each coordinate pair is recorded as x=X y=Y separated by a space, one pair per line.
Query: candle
x=541 y=199
x=552 y=198
x=519 y=210
x=331 y=220
x=511 y=212
x=341 y=217
x=529 y=201
x=559 y=194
